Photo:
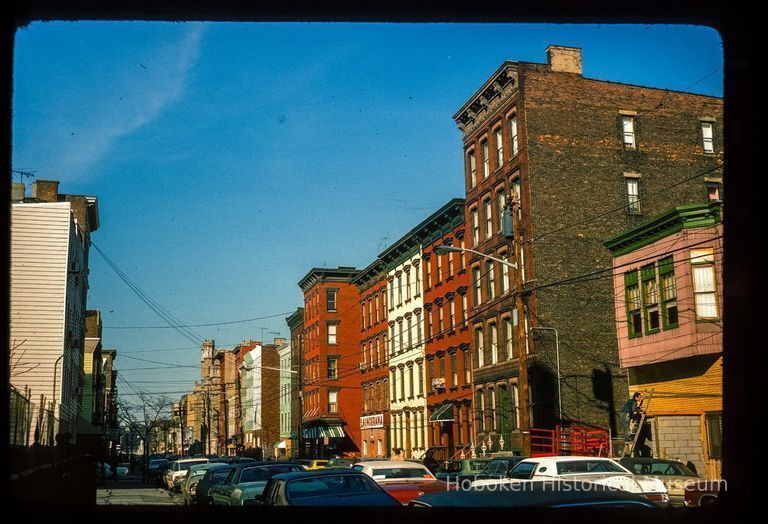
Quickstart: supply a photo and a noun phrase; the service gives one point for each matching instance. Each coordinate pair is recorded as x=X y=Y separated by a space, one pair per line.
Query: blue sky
x=230 y=158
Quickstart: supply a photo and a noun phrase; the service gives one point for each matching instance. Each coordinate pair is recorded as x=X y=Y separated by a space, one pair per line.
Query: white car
x=178 y=470
x=595 y=470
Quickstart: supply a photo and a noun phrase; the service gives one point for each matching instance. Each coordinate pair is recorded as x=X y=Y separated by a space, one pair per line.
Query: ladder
x=629 y=445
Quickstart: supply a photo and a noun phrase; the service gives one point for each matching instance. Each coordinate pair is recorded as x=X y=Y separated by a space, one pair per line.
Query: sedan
x=216 y=474
x=675 y=475
x=249 y=482
x=403 y=480
x=325 y=487
x=559 y=494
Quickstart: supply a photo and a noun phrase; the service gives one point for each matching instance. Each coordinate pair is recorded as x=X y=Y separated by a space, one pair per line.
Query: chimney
x=562 y=59
x=17 y=192
x=46 y=190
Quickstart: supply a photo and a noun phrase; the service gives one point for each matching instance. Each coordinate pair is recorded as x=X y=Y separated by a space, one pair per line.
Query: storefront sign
x=372 y=421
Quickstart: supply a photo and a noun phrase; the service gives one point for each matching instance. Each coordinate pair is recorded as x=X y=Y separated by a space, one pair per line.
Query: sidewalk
x=131 y=491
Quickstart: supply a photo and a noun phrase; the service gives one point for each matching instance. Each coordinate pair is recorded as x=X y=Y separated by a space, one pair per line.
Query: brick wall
x=576 y=166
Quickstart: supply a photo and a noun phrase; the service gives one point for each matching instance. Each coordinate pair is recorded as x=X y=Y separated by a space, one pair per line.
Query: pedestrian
x=628 y=412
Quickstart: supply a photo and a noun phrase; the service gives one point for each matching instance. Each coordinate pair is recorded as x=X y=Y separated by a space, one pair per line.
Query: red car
x=703 y=493
x=402 y=479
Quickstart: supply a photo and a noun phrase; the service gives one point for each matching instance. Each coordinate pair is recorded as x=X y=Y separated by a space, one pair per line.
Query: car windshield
x=330 y=485
x=399 y=473
x=660 y=468
x=588 y=466
x=265 y=473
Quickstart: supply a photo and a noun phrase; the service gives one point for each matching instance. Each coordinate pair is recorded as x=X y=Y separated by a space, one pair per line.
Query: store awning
x=324 y=431
x=443 y=414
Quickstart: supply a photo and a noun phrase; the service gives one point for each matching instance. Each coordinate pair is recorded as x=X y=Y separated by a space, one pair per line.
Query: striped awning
x=442 y=414
x=324 y=431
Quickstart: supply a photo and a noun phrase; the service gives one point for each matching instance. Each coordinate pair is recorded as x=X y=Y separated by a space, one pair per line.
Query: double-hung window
x=488 y=219
x=491 y=271
x=331 y=333
x=634 y=312
x=333 y=367
x=633 y=196
x=669 y=314
x=499 y=148
x=513 y=133
x=494 y=343
x=478 y=285
x=706 y=136
x=479 y=349
x=333 y=403
x=628 y=131
x=472 y=162
x=330 y=299
x=486 y=159
x=704 y=283
x=651 y=298
x=475 y=226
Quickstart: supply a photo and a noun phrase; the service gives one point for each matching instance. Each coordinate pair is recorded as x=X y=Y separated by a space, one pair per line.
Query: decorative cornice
x=498 y=89
x=656 y=228
x=318 y=274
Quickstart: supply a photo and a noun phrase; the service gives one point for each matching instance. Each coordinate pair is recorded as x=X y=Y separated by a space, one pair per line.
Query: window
x=513 y=133
x=472 y=163
x=510 y=336
x=715 y=435
x=454 y=371
x=407 y=285
x=363 y=310
x=480 y=403
x=488 y=219
x=331 y=333
x=362 y=351
x=634 y=315
x=391 y=294
x=418 y=280
x=333 y=405
x=477 y=281
x=504 y=273
x=400 y=335
x=451 y=313
x=475 y=226
x=704 y=283
x=392 y=339
x=462 y=260
x=465 y=308
x=421 y=378
x=441 y=362
x=486 y=160
x=479 y=349
x=429 y=324
x=439 y=319
x=633 y=196
x=669 y=316
x=410 y=382
x=439 y=268
x=494 y=344
x=651 y=298
x=370 y=312
x=418 y=328
x=706 y=135
x=501 y=203
x=376 y=306
x=628 y=131
x=330 y=299
x=370 y=352
x=333 y=367
x=467 y=367
x=492 y=393
x=393 y=381
x=499 y=148
x=491 y=279
x=410 y=332
x=402 y=384
x=430 y=373
x=365 y=399
x=428 y=273
x=400 y=289
x=713 y=191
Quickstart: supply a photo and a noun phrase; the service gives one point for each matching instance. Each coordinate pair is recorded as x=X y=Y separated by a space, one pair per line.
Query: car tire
x=707 y=501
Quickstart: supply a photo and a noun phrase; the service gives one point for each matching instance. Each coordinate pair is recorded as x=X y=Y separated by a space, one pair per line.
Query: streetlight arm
x=460 y=249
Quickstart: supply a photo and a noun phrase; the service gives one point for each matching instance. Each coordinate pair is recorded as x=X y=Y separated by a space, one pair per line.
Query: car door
x=220 y=492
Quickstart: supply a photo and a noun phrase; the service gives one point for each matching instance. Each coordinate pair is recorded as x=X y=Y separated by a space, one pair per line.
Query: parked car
x=219 y=493
x=559 y=494
x=340 y=463
x=249 y=482
x=155 y=468
x=703 y=493
x=324 y=487
x=497 y=468
x=195 y=473
x=597 y=470
x=451 y=471
x=123 y=470
x=214 y=475
x=177 y=470
x=403 y=480
x=674 y=474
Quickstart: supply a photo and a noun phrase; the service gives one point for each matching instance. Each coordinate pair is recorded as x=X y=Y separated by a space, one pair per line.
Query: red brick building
x=331 y=375
x=374 y=360
x=447 y=335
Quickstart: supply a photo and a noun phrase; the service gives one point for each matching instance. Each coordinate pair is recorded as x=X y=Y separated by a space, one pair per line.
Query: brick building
x=588 y=159
x=447 y=335
x=374 y=360
x=296 y=327
x=259 y=398
x=332 y=402
x=668 y=283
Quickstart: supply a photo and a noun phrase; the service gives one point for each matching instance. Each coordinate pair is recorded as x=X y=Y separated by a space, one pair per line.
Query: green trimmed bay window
x=669 y=311
x=651 y=298
x=634 y=311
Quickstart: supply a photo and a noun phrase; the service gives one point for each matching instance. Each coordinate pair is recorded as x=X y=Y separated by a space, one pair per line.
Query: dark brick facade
x=572 y=166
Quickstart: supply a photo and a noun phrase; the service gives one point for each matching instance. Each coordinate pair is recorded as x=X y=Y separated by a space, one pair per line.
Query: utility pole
x=522 y=360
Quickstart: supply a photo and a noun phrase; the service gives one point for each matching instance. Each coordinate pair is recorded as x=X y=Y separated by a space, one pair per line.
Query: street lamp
x=443 y=249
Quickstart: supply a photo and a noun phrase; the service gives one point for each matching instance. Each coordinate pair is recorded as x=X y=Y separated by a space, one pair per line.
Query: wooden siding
x=44 y=304
x=690 y=386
